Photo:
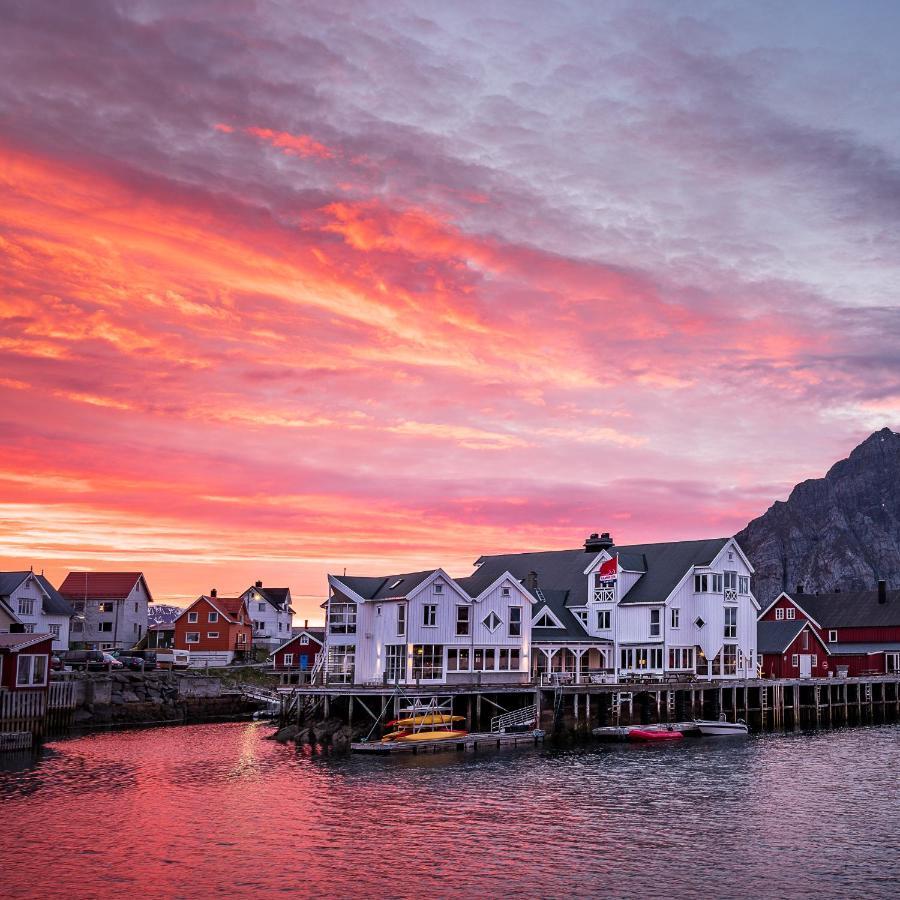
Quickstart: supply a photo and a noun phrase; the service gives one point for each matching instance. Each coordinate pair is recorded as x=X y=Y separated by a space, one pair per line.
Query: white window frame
x=29 y=679
x=655 y=622
x=743 y=584
x=438 y=587
x=676 y=618
x=795 y=659
x=832 y=636
x=779 y=614
x=192 y=637
x=193 y=618
x=101 y=627
x=212 y=635
x=304 y=640
x=288 y=659
x=731 y=625
x=815 y=660
x=212 y=618
x=604 y=616
x=401 y=620
x=429 y=617
x=790 y=613
x=463 y=620
x=504 y=592
x=514 y=626
x=54 y=630
x=26 y=606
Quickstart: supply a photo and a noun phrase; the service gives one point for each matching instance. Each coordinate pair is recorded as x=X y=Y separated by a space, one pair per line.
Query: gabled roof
x=850 y=609
x=101 y=585
x=227 y=607
x=16 y=642
x=776 y=637
x=387 y=587
x=54 y=604
x=555 y=603
x=280 y=598
x=663 y=565
x=319 y=638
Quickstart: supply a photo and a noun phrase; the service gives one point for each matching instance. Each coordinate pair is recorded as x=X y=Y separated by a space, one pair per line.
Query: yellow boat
x=430 y=719
x=430 y=736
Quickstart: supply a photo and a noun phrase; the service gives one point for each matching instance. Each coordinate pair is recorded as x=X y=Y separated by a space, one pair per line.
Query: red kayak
x=638 y=734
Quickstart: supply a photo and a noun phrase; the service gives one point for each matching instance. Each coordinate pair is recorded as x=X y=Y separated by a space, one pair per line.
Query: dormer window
x=544 y=621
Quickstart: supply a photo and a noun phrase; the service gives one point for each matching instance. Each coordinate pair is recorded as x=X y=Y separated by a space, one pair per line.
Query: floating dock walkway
x=470 y=743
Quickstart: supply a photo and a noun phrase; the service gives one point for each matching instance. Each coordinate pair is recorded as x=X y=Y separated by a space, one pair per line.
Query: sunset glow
x=278 y=298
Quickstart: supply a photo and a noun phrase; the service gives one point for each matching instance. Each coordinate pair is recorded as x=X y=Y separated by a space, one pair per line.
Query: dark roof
x=20 y=641
x=54 y=604
x=663 y=565
x=864 y=649
x=278 y=597
x=776 y=637
x=851 y=609
x=385 y=587
x=555 y=601
x=100 y=585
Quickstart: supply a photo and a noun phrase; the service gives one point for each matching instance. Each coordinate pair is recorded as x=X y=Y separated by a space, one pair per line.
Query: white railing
x=596 y=676
x=525 y=716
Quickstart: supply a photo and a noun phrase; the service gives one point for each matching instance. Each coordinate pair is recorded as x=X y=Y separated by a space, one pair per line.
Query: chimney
x=597 y=542
x=306 y=623
x=882 y=591
x=531 y=580
x=259 y=584
x=213 y=593
x=799 y=589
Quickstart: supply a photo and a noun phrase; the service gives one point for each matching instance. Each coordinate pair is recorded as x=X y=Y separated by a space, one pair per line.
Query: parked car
x=139 y=660
x=83 y=659
x=110 y=660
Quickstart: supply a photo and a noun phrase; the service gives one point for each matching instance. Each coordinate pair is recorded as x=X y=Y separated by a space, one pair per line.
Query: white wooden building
x=36 y=605
x=427 y=628
x=658 y=609
x=272 y=615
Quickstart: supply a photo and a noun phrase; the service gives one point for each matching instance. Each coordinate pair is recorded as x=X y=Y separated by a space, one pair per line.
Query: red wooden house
x=791 y=648
x=216 y=630
x=25 y=662
x=861 y=629
x=293 y=661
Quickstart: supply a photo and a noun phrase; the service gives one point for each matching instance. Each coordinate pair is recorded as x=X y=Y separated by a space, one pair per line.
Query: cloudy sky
x=289 y=287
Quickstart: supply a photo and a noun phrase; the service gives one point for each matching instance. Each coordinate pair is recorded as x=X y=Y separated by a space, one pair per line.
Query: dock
x=471 y=743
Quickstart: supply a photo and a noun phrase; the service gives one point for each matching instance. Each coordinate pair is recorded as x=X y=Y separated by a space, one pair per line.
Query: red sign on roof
x=609 y=569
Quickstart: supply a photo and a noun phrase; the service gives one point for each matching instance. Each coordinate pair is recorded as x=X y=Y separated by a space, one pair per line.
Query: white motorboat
x=720 y=727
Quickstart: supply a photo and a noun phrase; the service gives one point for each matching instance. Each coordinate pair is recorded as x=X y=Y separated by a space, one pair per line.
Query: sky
x=289 y=288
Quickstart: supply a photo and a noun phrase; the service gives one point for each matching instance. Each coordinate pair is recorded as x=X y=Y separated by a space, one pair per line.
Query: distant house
x=216 y=630
x=35 y=604
x=271 y=612
x=791 y=648
x=110 y=608
x=161 y=636
x=861 y=629
x=293 y=661
x=25 y=662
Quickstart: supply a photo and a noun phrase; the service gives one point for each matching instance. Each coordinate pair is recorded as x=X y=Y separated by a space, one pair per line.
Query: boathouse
x=860 y=628
x=293 y=662
x=791 y=648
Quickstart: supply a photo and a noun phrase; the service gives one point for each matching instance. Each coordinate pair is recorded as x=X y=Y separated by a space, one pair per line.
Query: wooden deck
x=471 y=743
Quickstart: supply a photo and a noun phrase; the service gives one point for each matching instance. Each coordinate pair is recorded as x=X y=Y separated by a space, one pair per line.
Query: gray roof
x=776 y=637
x=381 y=588
x=53 y=605
x=851 y=609
x=277 y=597
x=852 y=649
x=662 y=565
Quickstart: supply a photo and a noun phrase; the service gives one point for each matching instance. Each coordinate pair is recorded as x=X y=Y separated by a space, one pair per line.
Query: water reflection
x=213 y=810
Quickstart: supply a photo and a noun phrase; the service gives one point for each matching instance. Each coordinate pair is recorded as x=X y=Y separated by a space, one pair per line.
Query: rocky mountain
x=162 y=613
x=837 y=532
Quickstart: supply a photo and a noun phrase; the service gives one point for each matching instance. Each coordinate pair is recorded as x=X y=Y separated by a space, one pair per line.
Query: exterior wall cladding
x=128 y=619
x=377 y=630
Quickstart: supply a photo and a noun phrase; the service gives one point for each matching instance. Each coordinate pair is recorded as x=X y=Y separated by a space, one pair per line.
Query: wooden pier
x=470 y=743
x=765 y=704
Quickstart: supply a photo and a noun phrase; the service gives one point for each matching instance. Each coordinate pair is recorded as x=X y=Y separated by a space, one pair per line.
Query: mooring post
x=350 y=712
x=478 y=710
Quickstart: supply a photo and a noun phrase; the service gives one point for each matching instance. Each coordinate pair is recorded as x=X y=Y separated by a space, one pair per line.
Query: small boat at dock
x=721 y=727
x=646 y=735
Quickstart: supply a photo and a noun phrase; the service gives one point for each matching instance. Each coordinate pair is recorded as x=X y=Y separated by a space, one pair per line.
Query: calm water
x=217 y=810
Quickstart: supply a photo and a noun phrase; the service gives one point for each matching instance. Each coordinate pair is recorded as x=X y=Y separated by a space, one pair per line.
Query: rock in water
x=837 y=532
